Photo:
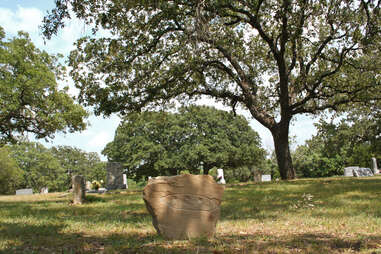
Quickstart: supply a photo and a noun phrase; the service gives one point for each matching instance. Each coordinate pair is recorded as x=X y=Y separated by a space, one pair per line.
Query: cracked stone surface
x=184 y=206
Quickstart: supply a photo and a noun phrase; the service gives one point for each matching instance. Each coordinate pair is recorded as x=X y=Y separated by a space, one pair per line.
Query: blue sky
x=27 y=15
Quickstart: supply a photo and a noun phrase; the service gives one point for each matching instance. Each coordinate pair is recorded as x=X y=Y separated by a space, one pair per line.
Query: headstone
x=220 y=176
x=125 y=180
x=374 y=166
x=183 y=206
x=349 y=171
x=44 y=190
x=79 y=189
x=362 y=172
x=24 y=192
x=88 y=185
x=114 y=179
x=266 y=178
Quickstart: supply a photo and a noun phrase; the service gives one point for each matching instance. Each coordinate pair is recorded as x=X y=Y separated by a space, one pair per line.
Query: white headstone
x=24 y=192
x=220 y=176
x=349 y=171
x=88 y=185
x=44 y=190
x=266 y=178
x=125 y=180
x=375 y=168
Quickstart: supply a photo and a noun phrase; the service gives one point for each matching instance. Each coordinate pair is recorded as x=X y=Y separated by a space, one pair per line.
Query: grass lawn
x=329 y=215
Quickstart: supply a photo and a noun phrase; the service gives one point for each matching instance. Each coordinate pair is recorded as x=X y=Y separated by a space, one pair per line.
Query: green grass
x=329 y=215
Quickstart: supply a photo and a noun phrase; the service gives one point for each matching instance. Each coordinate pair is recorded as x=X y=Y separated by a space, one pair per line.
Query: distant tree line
x=350 y=140
x=31 y=165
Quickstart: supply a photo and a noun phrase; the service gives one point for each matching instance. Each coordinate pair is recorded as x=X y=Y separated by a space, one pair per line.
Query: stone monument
x=79 y=189
x=114 y=179
x=183 y=206
x=374 y=166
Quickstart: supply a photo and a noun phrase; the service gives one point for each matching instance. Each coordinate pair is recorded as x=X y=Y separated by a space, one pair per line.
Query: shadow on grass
x=51 y=238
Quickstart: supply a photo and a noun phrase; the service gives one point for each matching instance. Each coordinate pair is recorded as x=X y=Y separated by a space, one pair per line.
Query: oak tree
x=275 y=58
x=195 y=138
x=30 y=98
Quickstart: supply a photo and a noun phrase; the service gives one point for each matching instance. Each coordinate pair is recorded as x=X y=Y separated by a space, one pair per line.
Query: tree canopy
x=163 y=143
x=275 y=58
x=10 y=173
x=30 y=100
x=352 y=141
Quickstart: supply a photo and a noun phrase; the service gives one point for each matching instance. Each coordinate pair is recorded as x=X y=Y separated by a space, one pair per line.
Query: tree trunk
x=173 y=171
x=206 y=170
x=282 y=151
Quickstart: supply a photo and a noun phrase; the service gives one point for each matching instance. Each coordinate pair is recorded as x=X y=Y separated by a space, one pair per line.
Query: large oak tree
x=275 y=58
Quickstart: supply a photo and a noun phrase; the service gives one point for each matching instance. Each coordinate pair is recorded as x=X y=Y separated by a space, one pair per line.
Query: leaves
x=30 y=100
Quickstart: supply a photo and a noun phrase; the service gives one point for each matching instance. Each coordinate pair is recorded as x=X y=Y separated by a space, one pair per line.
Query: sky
x=27 y=15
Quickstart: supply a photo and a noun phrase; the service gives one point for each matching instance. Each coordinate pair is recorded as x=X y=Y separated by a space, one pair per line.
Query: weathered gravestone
x=114 y=179
x=24 y=192
x=79 y=189
x=348 y=171
x=374 y=166
x=362 y=172
x=184 y=206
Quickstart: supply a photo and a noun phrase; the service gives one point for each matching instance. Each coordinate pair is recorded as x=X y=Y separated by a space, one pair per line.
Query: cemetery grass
x=328 y=215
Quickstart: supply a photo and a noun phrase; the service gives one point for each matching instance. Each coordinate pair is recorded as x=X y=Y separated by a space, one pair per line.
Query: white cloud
x=100 y=139
x=24 y=19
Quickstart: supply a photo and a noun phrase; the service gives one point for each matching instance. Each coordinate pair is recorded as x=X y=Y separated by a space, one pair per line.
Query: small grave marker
x=24 y=192
x=266 y=178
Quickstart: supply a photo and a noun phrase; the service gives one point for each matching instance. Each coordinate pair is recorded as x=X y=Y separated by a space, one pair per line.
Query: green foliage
x=30 y=100
x=53 y=168
x=351 y=142
x=10 y=173
x=40 y=167
x=78 y=162
x=163 y=143
x=275 y=58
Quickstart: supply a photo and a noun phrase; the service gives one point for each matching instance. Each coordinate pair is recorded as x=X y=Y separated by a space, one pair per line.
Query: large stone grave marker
x=114 y=179
x=24 y=192
x=183 y=206
x=79 y=189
